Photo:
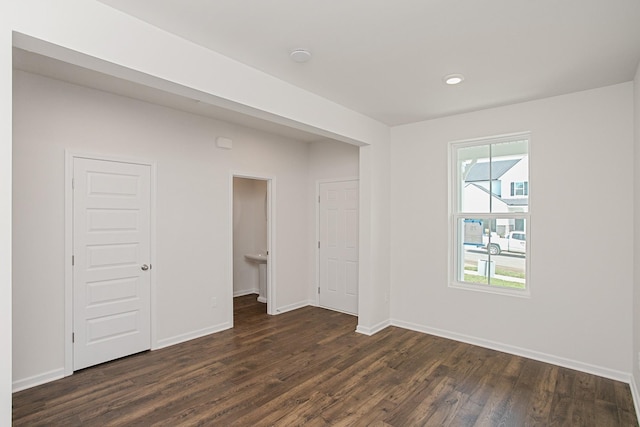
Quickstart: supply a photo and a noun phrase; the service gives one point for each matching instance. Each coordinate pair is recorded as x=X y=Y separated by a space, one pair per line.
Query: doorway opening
x=253 y=255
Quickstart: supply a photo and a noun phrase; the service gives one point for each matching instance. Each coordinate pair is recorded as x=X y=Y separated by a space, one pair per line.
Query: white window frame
x=456 y=247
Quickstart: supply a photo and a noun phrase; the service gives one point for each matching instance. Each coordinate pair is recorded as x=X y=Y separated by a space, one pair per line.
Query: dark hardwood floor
x=309 y=367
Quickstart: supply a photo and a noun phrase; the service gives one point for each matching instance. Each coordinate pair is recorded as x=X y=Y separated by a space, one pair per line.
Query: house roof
x=523 y=201
x=480 y=171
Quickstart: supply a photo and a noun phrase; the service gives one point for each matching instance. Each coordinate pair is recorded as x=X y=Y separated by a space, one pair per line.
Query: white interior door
x=111 y=249
x=339 y=246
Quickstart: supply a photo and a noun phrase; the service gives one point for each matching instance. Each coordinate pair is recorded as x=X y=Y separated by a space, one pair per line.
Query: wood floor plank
x=498 y=401
x=543 y=395
x=624 y=403
x=309 y=367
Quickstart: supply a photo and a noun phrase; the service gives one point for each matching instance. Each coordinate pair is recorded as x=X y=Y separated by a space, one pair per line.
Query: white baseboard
x=56 y=374
x=293 y=306
x=365 y=330
x=243 y=292
x=35 y=380
x=518 y=351
x=166 y=342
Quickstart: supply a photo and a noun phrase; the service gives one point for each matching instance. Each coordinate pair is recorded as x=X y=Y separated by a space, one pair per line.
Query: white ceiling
x=386 y=58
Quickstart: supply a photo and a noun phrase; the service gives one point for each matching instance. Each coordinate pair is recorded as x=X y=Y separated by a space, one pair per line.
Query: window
x=489 y=229
x=520 y=188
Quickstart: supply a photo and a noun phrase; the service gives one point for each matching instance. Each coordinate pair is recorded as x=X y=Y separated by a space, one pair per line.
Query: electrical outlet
x=214 y=302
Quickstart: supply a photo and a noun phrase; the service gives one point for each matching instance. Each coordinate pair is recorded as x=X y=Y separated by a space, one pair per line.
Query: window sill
x=477 y=287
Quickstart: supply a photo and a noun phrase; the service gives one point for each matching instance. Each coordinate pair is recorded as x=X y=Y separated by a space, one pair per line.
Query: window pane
x=473 y=235
x=510 y=168
x=493 y=252
x=493 y=178
x=508 y=251
x=473 y=177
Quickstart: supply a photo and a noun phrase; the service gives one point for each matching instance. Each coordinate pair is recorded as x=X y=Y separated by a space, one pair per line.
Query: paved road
x=513 y=261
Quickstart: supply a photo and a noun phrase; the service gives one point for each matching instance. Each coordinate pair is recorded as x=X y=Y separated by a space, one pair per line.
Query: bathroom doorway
x=252 y=239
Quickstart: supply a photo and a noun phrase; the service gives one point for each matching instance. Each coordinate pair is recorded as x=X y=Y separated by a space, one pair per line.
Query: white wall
x=193 y=206
x=579 y=313
x=287 y=164
x=249 y=232
x=374 y=278
x=332 y=159
x=5 y=214
x=327 y=160
x=635 y=357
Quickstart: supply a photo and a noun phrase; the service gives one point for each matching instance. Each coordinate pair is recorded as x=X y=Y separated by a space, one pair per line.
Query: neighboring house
x=502 y=186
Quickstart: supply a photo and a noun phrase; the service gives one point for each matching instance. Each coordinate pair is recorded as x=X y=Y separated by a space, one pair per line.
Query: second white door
x=338 y=250
x=112 y=249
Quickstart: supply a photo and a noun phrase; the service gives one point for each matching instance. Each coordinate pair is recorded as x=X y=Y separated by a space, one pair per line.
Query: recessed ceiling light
x=453 y=79
x=300 y=55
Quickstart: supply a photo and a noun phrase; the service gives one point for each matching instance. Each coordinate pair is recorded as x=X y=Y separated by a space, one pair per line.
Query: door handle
x=144 y=267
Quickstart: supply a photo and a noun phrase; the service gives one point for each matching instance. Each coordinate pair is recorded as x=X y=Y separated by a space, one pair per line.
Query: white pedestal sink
x=261 y=260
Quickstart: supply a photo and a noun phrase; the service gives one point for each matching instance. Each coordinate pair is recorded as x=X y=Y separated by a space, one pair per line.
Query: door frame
x=317 y=249
x=271 y=238
x=68 y=247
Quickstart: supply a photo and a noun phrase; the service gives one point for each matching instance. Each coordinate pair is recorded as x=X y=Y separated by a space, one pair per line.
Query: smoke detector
x=300 y=55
